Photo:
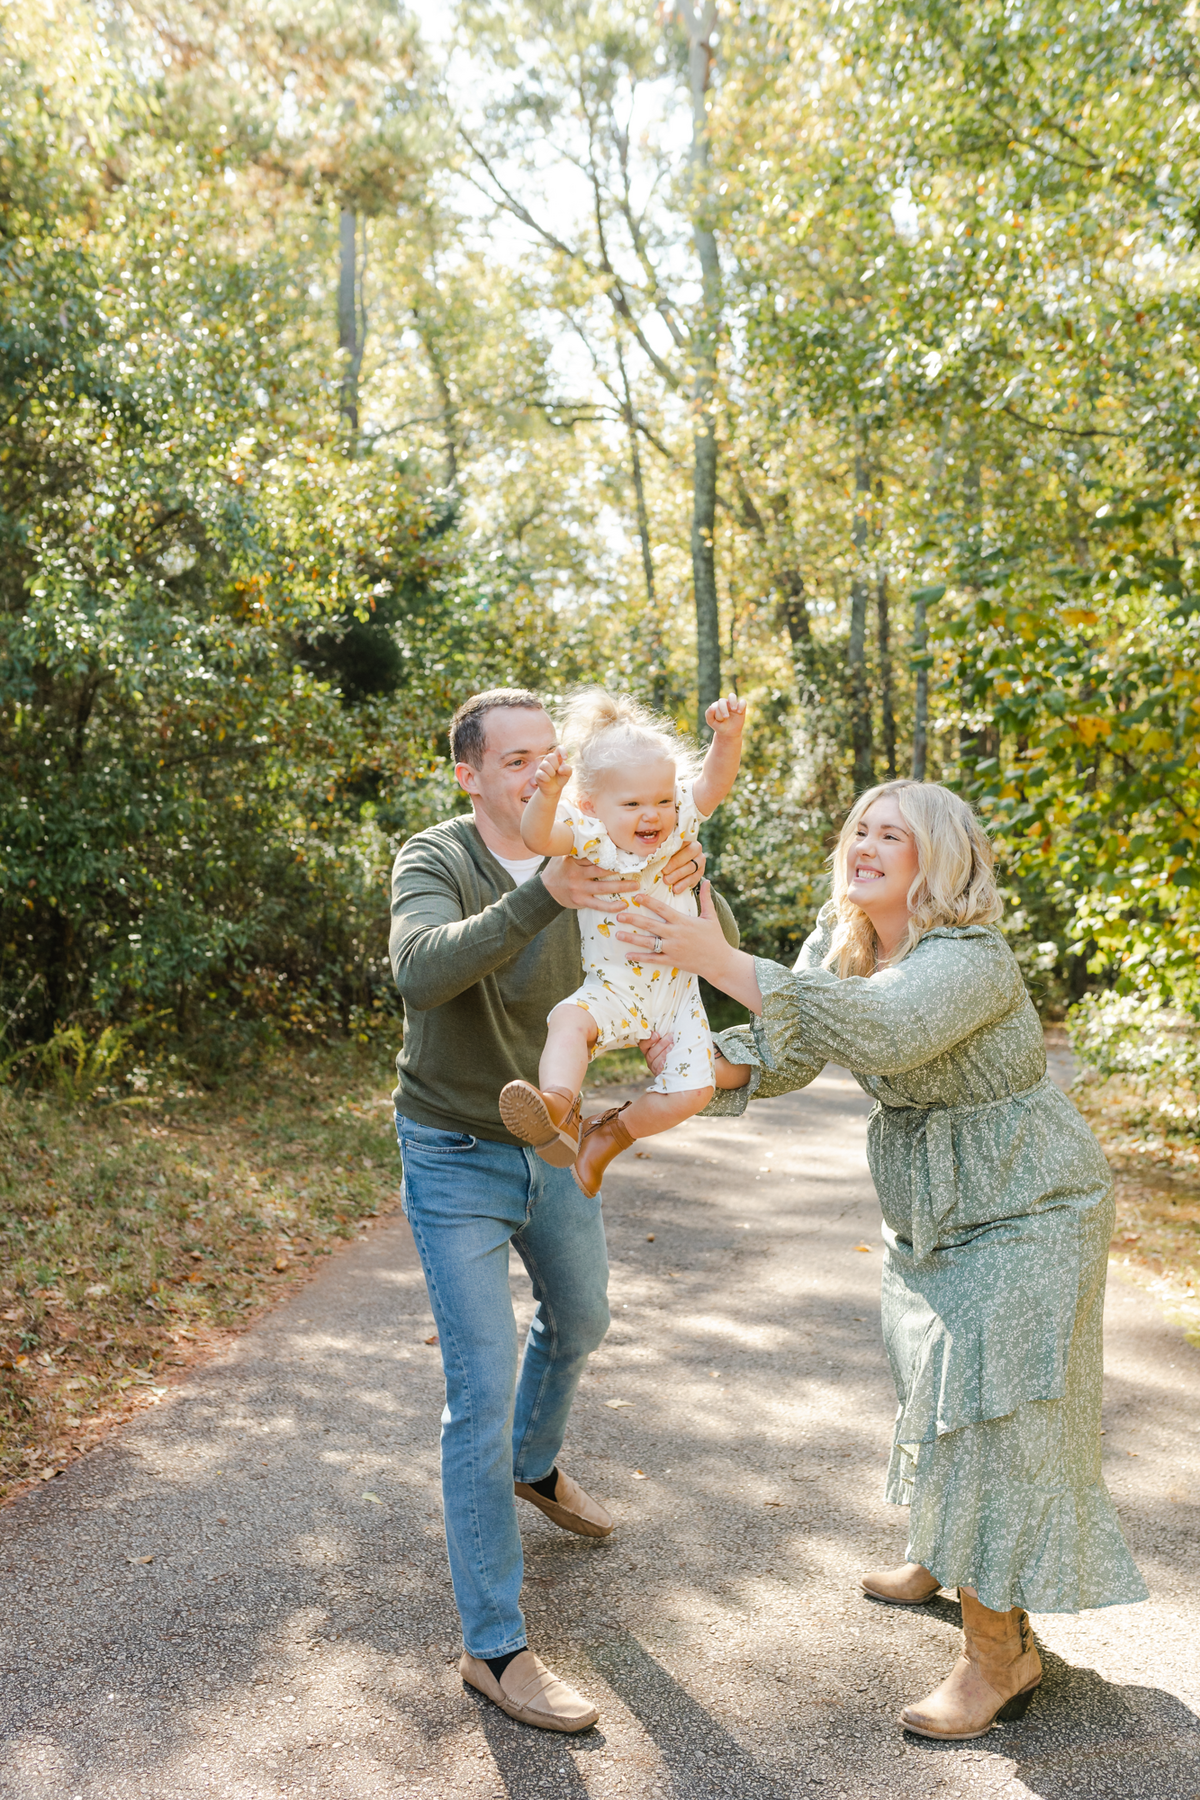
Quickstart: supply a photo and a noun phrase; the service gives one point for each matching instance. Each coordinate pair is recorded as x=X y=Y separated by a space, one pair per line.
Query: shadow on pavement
x=531 y=1762
x=1085 y=1738
x=248 y=1592
x=700 y=1756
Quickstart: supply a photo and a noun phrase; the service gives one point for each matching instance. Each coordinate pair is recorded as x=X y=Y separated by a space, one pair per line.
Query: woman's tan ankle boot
x=994 y=1678
x=909 y=1585
x=601 y=1140
x=547 y=1118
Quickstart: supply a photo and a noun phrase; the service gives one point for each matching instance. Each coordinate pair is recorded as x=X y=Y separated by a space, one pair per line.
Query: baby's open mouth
x=648 y=837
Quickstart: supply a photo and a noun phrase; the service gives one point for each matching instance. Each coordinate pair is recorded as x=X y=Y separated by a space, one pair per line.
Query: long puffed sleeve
x=895 y=1027
x=952 y=985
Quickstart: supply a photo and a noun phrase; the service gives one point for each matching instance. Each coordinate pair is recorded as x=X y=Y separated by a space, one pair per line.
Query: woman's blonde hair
x=600 y=731
x=955 y=883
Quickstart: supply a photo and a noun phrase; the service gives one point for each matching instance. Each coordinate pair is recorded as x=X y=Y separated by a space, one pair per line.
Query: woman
x=997 y=1207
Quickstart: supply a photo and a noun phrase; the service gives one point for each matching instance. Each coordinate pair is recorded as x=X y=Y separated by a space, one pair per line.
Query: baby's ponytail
x=600 y=731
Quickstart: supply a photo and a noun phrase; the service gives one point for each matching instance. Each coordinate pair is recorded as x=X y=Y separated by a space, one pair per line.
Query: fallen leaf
x=433 y=1339
x=643 y=1154
x=14 y=1314
x=97 y=1290
x=866 y=1247
x=143 y=1559
x=618 y=1403
x=374 y=1499
x=281 y=1263
x=49 y=1474
x=638 y=1476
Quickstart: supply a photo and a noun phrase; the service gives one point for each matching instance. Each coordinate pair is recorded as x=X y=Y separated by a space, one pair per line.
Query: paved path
x=246 y=1593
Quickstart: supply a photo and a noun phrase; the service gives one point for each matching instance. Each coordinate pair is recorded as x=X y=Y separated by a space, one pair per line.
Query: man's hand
x=726 y=716
x=655 y=1049
x=685 y=868
x=552 y=774
x=575 y=883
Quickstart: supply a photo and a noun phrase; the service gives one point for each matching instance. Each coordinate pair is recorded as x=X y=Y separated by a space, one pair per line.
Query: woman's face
x=881 y=860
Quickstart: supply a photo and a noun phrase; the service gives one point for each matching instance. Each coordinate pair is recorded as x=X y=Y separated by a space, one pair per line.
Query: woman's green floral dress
x=997 y=1207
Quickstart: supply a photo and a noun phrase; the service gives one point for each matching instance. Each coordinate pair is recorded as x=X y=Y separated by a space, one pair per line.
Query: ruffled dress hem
x=1050 y=1550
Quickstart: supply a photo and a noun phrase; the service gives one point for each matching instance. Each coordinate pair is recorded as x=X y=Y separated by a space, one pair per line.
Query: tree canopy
x=844 y=352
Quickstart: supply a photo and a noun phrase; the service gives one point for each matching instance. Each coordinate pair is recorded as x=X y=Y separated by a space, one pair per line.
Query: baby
x=636 y=797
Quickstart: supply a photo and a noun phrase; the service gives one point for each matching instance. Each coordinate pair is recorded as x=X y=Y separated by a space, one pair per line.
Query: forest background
x=841 y=352
x=354 y=358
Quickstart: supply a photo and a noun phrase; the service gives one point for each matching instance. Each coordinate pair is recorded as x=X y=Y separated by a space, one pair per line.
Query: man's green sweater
x=479 y=964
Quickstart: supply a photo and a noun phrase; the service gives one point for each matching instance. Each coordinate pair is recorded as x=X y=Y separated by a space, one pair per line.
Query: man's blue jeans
x=467 y=1199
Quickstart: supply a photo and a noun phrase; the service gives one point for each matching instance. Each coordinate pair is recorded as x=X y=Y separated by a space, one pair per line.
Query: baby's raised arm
x=725 y=719
x=540 y=830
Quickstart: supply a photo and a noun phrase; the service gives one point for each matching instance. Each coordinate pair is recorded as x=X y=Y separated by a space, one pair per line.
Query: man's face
x=515 y=740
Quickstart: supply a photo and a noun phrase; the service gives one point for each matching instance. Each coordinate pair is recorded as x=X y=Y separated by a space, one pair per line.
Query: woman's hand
x=672 y=940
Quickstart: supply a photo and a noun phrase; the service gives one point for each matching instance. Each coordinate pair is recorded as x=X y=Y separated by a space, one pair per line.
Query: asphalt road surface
x=246 y=1594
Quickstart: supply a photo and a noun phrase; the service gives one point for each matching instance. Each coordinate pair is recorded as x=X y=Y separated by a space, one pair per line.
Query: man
x=484 y=941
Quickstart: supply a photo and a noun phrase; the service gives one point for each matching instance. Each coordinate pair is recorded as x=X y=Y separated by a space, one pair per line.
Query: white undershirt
x=521 y=870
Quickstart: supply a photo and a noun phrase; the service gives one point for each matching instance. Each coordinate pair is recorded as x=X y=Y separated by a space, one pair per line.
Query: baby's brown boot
x=546 y=1118
x=602 y=1139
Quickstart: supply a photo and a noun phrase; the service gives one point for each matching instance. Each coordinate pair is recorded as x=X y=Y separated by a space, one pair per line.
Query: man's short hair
x=468 y=727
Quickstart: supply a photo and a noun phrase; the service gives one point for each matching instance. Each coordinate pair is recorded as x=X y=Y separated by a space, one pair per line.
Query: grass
x=1157 y=1172
x=135 y=1237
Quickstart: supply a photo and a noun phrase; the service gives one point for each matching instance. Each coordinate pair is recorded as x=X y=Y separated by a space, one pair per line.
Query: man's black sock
x=498 y=1664
x=547 y=1487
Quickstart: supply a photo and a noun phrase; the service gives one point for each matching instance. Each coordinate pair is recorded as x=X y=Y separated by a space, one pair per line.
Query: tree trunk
x=794 y=609
x=698 y=23
x=920 y=639
x=885 y=673
x=449 y=419
x=974 y=743
x=657 y=670
x=856 y=662
x=352 y=328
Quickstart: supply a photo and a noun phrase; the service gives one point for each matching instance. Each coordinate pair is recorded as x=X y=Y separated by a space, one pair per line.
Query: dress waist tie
x=934 y=1200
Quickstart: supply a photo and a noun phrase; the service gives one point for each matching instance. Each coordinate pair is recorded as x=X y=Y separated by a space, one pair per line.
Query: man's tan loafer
x=571 y=1507
x=529 y=1692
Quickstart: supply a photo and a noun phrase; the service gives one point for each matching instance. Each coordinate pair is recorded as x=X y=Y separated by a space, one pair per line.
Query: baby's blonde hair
x=600 y=731
x=955 y=883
